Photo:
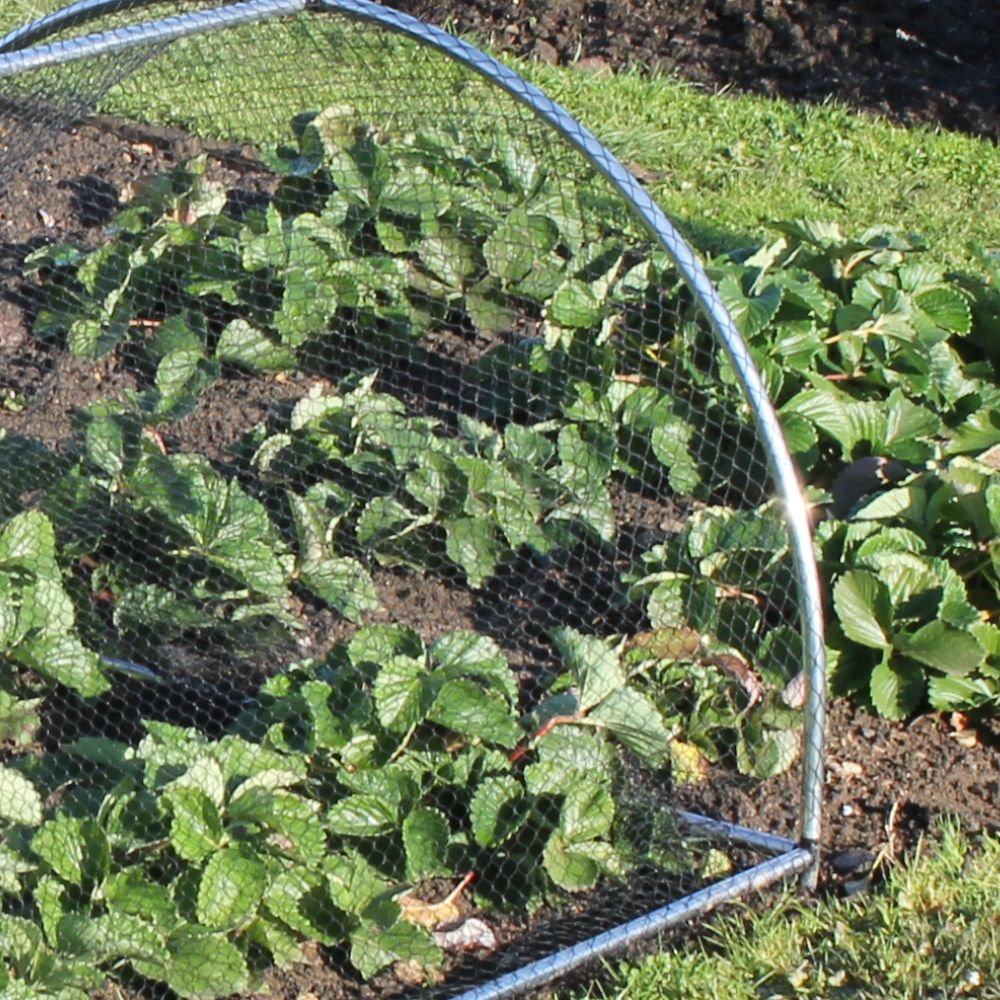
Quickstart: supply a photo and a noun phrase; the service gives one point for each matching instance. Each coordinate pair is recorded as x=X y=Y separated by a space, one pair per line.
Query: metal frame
x=21 y=51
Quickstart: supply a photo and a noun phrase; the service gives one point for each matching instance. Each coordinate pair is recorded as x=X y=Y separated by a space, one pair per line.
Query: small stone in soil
x=851 y=860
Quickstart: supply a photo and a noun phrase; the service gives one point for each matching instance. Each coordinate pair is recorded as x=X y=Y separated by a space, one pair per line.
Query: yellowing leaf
x=688 y=763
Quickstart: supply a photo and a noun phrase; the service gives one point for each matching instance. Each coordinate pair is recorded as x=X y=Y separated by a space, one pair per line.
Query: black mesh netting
x=386 y=545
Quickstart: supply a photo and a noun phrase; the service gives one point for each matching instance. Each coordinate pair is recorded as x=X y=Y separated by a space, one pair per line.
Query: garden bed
x=60 y=406
x=69 y=194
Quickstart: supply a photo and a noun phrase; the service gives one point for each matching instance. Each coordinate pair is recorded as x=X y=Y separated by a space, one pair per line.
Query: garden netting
x=390 y=557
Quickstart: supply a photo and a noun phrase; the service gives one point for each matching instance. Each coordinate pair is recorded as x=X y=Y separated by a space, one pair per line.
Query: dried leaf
x=668 y=643
x=968 y=739
x=741 y=671
x=963 y=732
x=796 y=690
x=689 y=763
x=472 y=933
x=411 y=972
x=845 y=768
x=433 y=915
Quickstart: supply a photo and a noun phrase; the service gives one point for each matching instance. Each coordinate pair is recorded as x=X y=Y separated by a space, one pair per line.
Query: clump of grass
x=933 y=930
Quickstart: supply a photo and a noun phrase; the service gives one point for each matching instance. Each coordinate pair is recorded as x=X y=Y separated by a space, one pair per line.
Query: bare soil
x=929 y=62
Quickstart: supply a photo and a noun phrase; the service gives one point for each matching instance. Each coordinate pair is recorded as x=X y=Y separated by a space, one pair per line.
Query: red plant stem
x=556 y=720
x=469 y=878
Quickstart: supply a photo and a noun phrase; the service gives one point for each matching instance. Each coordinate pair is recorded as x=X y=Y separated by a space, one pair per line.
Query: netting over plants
x=397 y=547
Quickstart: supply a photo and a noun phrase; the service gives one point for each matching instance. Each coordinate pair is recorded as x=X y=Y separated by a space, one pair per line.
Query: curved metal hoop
x=22 y=50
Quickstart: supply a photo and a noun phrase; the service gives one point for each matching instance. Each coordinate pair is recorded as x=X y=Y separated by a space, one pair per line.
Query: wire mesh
x=397 y=547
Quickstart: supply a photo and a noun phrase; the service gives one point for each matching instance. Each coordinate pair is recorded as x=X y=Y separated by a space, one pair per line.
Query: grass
x=932 y=931
x=726 y=164
x=732 y=163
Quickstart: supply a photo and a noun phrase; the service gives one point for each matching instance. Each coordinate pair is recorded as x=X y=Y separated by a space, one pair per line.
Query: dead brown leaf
x=434 y=915
x=796 y=690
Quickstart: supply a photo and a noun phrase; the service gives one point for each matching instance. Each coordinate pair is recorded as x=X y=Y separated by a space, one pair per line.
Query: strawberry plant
x=196 y=862
x=870 y=350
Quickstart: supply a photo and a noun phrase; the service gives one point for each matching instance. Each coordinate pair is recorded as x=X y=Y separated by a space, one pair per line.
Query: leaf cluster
x=869 y=349
x=199 y=862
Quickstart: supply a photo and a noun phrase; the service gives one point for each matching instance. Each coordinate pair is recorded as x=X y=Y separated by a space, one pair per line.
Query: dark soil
x=886 y=782
x=929 y=62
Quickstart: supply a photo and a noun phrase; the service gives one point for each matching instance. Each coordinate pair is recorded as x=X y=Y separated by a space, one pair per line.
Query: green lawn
x=731 y=163
x=932 y=931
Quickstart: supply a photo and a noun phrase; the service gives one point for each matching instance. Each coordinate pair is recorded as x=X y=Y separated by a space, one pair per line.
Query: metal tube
x=148 y=33
x=67 y=17
x=558 y=964
x=782 y=467
x=737 y=834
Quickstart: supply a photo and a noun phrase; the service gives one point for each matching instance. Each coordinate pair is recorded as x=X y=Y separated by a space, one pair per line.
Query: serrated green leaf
x=29 y=540
x=464 y=707
x=402 y=695
x=344 y=584
x=300 y=898
x=862 y=604
x=466 y=653
x=111 y=436
x=195 y=825
x=471 y=543
x=943 y=647
x=20 y=801
x=587 y=812
x=110 y=937
x=498 y=810
x=517 y=243
x=353 y=881
x=771 y=755
x=671 y=444
x=206 y=775
x=903 y=501
x=361 y=816
x=570 y=869
x=75 y=849
x=49 y=896
x=564 y=755
x=425 y=839
x=131 y=891
x=448 y=256
x=635 y=720
x=230 y=890
x=575 y=305
x=64 y=659
x=199 y=965
x=751 y=313
x=377 y=644
x=950 y=694
x=20 y=939
x=12 y=866
x=374 y=947
x=946 y=307
x=896 y=688
x=595 y=665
